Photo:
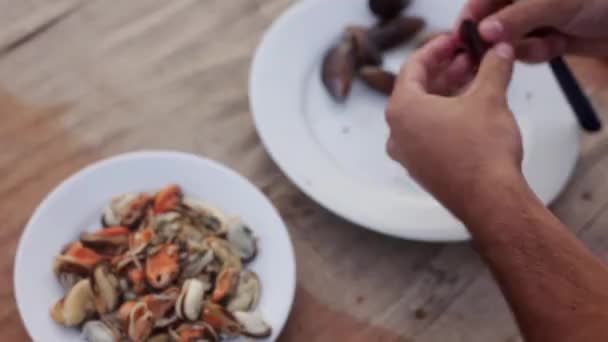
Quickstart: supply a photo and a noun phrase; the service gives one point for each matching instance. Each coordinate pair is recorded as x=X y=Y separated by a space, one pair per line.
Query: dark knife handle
x=586 y=115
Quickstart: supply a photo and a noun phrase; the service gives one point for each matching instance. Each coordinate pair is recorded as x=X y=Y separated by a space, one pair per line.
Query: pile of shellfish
x=164 y=267
x=359 y=50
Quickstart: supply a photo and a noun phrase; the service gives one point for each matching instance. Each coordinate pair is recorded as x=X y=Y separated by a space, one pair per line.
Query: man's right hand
x=575 y=26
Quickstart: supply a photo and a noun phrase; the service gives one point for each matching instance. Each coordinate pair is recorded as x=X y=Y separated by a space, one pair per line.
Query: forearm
x=557 y=289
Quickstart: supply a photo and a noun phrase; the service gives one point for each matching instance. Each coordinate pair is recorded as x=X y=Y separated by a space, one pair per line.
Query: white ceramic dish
x=335 y=152
x=76 y=204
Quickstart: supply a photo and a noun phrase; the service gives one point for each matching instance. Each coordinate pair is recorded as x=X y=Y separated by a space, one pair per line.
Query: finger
x=478 y=9
x=460 y=71
x=514 y=21
x=391 y=149
x=587 y=47
x=495 y=71
x=454 y=77
x=419 y=68
x=541 y=49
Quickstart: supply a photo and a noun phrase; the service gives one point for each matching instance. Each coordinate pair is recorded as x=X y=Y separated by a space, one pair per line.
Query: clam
x=338 y=68
x=109 y=241
x=378 y=79
x=395 y=32
x=162 y=267
x=225 y=284
x=221 y=320
x=105 y=288
x=190 y=300
x=140 y=323
x=127 y=210
x=247 y=293
x=193 y=332
x=99 y=331
x=206 y=215
x=168 y=198
x=76 y=306
x=253 y=324
x=242 y=238
x=387 y=9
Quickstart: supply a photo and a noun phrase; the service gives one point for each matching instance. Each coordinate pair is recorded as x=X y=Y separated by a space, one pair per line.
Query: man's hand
x=567 y=26
x=455 y=146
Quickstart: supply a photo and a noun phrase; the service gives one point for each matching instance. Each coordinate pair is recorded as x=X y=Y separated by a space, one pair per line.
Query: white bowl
x=76 y=204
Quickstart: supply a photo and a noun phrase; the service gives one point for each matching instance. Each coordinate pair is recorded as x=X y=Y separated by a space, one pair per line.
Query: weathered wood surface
x=83 y=80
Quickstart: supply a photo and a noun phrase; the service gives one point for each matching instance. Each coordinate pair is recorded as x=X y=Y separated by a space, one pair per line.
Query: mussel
x=396 y=32
x=387 y=9
x=378 y=79
x=339 y=67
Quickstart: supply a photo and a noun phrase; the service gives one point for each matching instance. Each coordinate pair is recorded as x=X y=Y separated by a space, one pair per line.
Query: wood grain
x=84 y=80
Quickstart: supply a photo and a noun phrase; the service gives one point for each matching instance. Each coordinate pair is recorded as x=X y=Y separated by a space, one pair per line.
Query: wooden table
x=83 y=80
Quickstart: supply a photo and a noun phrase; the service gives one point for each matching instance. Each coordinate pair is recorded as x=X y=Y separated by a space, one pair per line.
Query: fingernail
x=492 y=29
x=505 y=50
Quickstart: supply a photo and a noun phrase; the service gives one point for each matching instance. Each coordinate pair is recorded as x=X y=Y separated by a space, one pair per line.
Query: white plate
x=76 y=205
x=335 y=152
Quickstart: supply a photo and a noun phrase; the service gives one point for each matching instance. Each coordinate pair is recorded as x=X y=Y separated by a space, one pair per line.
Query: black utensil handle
x=587 y=117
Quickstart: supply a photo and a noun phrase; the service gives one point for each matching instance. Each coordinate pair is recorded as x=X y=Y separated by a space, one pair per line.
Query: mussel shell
x=141 y=322
x=76 y=306
x=339 y=65
x=221 y=320
x=205 y=215
x=106 y=244
x=474 y=43
x=242 y=239
x=253 y=324
x=247 y=293
x=366 y=51
x=387 y=9
x=163 y=267
x=378 y=79
x=194 y=332
x=105 y=287
x=98 y=331
x=190 y=301
x=116 y=209
x=396 y=32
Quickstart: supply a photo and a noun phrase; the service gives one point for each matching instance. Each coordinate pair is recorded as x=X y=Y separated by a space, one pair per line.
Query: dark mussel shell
x=474 y=44
x=387 y=9
x=339 y=66
x=396 y=32
x=378 y=79
x=366 y=51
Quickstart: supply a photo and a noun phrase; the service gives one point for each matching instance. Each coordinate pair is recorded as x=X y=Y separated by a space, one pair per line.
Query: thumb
x=515 y=21
x=496 y=70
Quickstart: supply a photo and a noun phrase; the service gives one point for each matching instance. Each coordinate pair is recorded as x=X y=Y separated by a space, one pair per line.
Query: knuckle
x=392 y=115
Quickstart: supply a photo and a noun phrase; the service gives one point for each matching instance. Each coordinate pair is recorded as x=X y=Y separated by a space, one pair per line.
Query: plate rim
x=108 y=161
x=257 y=105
